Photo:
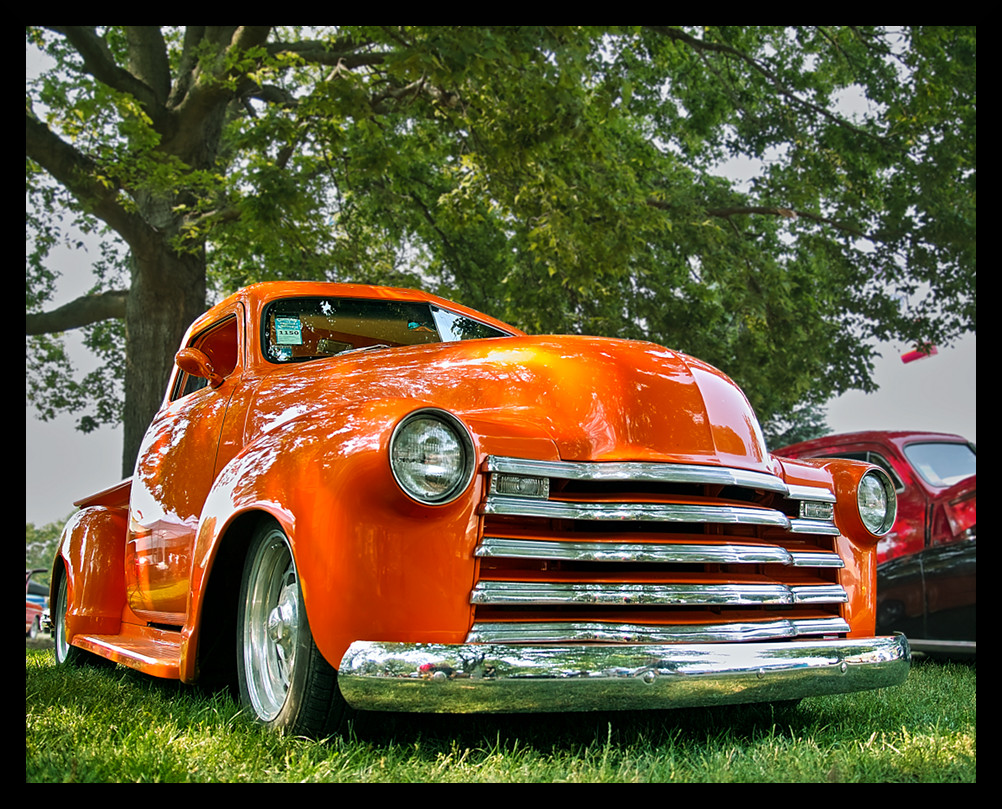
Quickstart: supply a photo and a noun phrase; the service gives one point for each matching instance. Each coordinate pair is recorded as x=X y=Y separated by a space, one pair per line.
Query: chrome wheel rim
x=62 y=647
x=271 y=626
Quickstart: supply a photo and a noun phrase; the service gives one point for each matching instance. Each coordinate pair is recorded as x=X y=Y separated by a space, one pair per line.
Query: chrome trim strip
x=819 y=594
x=646 y=512
x=634 y=552
x=652 y=552
x=564 y=593
x=506 y=678
x=658 y=473
x=957 y=647
x=821 y=626
x=593 y=631
x=636 y=470
x=802 y=526
x=815 y=493
x=817 y=559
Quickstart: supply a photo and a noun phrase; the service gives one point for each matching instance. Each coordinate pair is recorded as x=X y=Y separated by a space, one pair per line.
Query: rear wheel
x=284 y=681
x=67 y=655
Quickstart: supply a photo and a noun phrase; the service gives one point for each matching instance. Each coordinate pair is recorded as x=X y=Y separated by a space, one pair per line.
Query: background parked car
x=36 y=601
x=927 y=572
x=934 y=476
x=931 y=596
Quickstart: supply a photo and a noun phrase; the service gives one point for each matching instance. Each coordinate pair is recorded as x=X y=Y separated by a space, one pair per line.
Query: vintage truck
x=362 y=498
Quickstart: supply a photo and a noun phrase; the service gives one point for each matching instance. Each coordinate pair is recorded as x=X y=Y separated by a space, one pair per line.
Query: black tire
x=285 y=683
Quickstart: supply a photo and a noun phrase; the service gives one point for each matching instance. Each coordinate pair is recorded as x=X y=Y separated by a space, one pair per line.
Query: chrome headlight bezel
x=438 y=480
x=876 y=502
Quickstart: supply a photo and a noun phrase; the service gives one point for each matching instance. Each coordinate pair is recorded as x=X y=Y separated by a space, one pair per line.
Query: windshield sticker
x=288 y=331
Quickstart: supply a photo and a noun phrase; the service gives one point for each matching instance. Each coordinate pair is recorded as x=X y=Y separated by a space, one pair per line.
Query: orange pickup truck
x=362 y=498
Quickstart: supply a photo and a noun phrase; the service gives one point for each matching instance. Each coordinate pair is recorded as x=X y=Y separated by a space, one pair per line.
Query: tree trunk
x=167 y=293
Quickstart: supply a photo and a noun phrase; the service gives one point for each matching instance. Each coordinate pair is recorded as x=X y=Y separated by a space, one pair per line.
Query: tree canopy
x=563 y=178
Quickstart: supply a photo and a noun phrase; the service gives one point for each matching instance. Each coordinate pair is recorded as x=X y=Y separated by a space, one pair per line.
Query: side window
x=189 y=384
x=877 y=460
x=220 y=346
x=457 y=327
x=220 y=343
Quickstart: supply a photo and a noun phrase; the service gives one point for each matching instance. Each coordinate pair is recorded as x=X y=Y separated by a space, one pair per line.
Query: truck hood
x=596 y=399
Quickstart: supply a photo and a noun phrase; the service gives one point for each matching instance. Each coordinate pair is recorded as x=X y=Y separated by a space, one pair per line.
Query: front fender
x=372 y=562
x=855 y=545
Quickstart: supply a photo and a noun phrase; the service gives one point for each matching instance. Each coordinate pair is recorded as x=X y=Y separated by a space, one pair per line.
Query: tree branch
x=99 y=63
x=78 y=174
x=148 y=59
x=208 y=91
x=788 y=213
x=772 y=210
x=345 y=53
x=248 y=36
x=702 y=45
x=410 y=92
x=193 y=35
x=215 y=217
x=76 y=314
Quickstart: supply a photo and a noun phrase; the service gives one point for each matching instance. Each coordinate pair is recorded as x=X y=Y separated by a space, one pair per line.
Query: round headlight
x=877 y=502
x=431 y=455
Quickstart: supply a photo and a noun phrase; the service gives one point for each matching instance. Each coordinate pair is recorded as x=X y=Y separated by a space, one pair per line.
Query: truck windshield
x=941 y=464
x=298 y=329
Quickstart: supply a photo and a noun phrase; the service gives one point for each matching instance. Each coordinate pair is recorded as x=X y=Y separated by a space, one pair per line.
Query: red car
x=927 y=576
x=36 y=599
x=935 y=477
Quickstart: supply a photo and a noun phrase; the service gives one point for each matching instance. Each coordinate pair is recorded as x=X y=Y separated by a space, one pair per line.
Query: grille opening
x=639 y=613
x=639 y=491
x=611 y=528
x=565 y=574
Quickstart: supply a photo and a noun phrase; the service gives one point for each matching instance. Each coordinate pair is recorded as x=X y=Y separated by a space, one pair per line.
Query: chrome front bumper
x=497 y=678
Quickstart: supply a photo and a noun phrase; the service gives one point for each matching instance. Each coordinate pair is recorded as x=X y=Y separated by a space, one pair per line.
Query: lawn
x=115 y=725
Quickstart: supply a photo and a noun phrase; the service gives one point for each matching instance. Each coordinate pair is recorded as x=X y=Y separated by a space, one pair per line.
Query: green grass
x=114 y=725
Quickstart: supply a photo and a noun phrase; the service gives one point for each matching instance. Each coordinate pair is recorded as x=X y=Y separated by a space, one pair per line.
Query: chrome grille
x=616 y=552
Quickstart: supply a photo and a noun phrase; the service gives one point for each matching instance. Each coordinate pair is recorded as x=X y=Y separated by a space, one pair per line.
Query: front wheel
x=285 y=682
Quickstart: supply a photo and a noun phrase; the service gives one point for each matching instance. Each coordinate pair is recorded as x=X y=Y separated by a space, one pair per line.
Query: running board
x=145 y=648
